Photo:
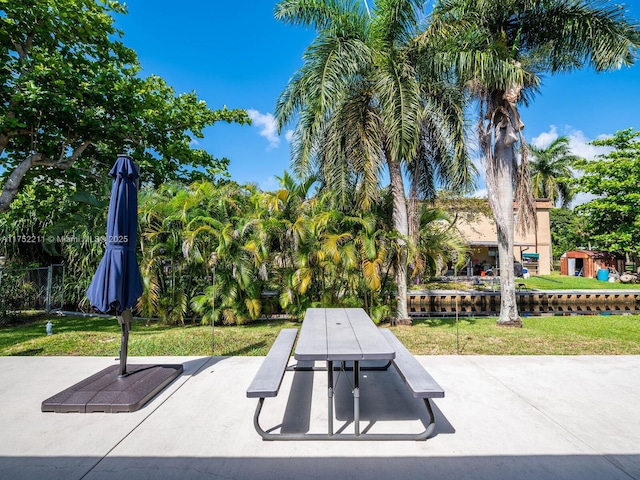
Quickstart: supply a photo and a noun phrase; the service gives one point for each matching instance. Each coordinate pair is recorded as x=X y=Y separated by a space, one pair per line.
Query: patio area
x=526 y=417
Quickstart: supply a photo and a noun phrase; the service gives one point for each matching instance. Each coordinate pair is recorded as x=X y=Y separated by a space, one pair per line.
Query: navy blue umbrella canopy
x=117 y=285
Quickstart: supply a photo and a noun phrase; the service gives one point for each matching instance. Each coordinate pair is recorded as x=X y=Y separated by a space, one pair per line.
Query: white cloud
x=267 y=125
x=289 y=135
x=578 y=142
x=545 y=138
x=579 y=145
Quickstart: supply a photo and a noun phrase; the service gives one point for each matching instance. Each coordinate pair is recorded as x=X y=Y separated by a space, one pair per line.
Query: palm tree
x=498 y=48
x=224 y=220
x=162 y=215
x=551 y=171
x=361 y=102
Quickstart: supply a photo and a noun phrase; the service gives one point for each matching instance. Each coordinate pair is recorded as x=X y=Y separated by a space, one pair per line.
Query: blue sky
x=236 y=54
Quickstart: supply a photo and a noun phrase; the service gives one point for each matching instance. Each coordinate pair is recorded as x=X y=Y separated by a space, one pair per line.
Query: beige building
x=532 y=249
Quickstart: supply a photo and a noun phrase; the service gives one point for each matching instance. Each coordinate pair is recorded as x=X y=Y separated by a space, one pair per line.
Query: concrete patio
x=525 y=417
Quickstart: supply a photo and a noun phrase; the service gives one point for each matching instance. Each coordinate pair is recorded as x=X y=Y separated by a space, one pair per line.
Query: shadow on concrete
x=383 y=398
x=522 y=467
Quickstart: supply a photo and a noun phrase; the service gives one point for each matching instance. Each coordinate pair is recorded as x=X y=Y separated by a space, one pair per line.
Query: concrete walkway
x=542 y=417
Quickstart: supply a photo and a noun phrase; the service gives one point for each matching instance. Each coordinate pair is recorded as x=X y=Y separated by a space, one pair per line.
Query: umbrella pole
x=124 y=319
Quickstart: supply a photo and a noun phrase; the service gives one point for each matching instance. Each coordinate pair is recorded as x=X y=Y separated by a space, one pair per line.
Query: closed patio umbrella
x=115 y=289
x=117 y=285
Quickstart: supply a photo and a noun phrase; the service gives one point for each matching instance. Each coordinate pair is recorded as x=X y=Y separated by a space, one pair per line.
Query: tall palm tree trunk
x=501 y=165
x=502 y=206
x=401 y=224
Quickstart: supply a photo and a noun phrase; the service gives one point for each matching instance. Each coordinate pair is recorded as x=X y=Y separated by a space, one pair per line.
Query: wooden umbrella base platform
x=109 y=392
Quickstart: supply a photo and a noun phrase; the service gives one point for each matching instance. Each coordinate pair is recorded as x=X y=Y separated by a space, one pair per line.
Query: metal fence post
x=47 y=304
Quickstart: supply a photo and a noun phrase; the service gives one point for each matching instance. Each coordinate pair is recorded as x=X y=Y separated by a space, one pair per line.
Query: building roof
x=595 y=254
x=494 y=243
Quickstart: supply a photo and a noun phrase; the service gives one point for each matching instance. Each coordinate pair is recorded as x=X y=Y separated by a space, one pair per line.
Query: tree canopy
x=613 y=218
x=567 y=231
x=72 y=98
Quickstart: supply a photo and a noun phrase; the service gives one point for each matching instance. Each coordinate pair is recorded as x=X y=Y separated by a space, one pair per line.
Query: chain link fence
x=28 y=289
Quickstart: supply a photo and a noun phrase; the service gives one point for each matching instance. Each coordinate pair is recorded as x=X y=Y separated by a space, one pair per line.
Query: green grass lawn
x=544 y=282
x=564 y=282
x=557 y=335
x=549 y=335
x=101 y=336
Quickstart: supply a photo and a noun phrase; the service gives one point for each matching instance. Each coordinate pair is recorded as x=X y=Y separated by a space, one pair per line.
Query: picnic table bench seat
x=416 y=378
x=419 y=381
x=269 y=377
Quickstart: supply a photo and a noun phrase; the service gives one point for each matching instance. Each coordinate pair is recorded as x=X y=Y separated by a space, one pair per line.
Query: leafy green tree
x=72 y=99
x=342 y=259
x=498 y=50
x=551 y=173
x=51 y=223
x=567 y=231
x=613 y=218
x=364 y=102
x=300 y=242
x=164 y=213
x=24 y=227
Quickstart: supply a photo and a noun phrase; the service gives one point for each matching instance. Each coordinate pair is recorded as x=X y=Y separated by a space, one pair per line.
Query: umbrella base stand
x=110 y=392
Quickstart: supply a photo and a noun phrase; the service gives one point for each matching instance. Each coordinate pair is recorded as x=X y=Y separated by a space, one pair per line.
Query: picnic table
x=343 y=338
x=341 y=335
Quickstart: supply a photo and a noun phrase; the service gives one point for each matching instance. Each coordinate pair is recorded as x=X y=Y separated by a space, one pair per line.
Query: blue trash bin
x=603 y=274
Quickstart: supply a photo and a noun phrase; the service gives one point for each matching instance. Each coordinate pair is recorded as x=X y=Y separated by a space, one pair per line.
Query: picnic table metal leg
x=269 y=435
x=356 y=397
x=330 y=383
